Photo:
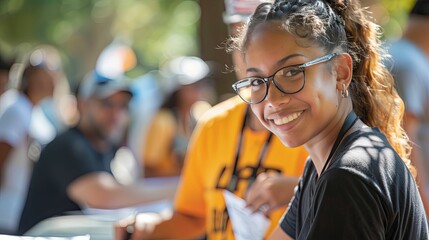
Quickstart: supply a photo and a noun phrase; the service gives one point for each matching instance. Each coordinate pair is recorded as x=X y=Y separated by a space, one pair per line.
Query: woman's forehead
x=271 y=34
x=270 y=42
x=265 y=38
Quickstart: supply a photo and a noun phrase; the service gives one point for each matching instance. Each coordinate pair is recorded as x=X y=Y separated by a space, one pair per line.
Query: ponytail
x=374 y=97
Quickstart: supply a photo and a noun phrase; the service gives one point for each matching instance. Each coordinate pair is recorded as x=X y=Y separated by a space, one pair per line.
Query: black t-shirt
x=367 y=192
x=69 y=156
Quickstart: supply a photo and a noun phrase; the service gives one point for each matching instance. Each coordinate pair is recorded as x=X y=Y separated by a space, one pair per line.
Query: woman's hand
x=270 y=191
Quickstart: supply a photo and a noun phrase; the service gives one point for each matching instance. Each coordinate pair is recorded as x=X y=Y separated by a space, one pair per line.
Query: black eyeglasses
x=289 y=80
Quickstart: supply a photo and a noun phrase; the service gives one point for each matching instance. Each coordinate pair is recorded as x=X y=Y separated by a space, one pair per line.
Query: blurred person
x=229 y=150
x=36 y=84
x=147 y=98
x=172 y=125
x=410 y=68
x=315 y=77
x=55 y=113
x=74 y=170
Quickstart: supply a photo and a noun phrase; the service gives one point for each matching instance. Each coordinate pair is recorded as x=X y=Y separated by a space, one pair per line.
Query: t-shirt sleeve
x=190 y=194
x=289 y=219
x=345 y=207
x=68 y=159
x=288 y=222
x=13 y=126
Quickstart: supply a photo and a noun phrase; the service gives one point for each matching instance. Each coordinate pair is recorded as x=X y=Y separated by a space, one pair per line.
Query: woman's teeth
x=289 y=118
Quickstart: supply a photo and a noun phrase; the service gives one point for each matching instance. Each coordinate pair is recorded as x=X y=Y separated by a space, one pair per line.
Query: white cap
x=239 y=10
x=184 y=70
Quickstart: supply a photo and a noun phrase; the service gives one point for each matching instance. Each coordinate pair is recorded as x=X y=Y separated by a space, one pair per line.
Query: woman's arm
x=279 y=234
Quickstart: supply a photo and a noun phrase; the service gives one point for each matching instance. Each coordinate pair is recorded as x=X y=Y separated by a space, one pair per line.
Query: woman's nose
x=277 y=97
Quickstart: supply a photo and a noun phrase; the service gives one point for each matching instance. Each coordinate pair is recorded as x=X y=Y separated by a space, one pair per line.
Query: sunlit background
x=155 y=29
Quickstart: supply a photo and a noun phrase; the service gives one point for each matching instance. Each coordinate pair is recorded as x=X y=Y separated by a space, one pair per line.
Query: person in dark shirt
x=73 y=171
x=315 y=78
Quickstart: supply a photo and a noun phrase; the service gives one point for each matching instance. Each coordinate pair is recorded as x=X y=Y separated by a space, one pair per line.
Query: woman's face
x=296 y=118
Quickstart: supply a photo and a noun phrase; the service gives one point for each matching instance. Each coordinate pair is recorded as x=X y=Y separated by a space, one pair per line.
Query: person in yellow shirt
x=226 y=153
x=229 y=150
x=171 y=127
x=213 y=165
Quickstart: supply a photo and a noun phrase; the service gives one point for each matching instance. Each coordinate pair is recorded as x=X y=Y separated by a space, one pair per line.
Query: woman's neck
x=320 y=146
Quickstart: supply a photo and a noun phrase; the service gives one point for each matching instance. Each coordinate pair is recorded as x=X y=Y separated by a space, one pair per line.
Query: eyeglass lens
x=288 y=80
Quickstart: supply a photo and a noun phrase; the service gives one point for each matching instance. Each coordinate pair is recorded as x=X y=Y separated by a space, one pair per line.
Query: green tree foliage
x=80 y=29
x=156 y=29
x=394 y=14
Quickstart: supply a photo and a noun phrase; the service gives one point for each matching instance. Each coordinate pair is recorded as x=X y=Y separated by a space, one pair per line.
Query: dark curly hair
x=342 y=25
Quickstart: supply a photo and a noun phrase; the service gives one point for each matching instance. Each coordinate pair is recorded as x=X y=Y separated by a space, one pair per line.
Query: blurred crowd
x=127 y=128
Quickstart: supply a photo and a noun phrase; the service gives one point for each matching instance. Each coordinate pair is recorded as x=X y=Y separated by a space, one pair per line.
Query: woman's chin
x=289 y=141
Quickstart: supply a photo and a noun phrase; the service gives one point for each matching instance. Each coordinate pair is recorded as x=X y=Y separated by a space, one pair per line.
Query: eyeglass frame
x=322 y=59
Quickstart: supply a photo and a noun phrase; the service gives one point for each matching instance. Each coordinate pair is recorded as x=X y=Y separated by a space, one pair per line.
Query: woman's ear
x=344 y=70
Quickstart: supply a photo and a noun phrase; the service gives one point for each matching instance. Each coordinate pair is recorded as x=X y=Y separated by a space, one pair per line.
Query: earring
x=345 y=92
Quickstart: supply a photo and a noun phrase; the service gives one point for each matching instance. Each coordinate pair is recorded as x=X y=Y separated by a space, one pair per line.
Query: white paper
x=10 y=237
x=112 y=215
x=245 y=224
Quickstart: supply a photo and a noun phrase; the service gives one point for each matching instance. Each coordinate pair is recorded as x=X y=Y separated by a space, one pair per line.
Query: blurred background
x=156 y=30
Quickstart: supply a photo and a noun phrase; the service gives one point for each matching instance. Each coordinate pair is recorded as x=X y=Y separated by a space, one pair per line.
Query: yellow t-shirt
x=159 y=157
x=210 y=162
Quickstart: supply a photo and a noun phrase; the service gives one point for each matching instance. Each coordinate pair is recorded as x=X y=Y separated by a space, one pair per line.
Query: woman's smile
x=286 y=119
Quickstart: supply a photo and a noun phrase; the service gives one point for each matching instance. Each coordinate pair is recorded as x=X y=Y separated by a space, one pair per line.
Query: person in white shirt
x=37 y=83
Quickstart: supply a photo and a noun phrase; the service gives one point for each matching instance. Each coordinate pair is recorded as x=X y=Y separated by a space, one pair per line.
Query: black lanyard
x=348 y=123
x=233 y=183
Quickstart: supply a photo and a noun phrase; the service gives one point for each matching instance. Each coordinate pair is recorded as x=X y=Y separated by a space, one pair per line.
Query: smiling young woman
x=315 y=78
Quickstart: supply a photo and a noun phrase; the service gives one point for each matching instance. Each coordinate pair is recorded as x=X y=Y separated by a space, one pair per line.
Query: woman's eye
x=290 y=72
x=257 y=82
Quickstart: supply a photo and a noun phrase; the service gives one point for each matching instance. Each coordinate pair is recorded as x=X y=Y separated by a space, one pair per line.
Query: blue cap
x=99 y=86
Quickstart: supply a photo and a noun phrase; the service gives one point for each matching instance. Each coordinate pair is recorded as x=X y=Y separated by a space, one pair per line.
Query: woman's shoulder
x=368 y=156
x=366 y=143
x=363 y=149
